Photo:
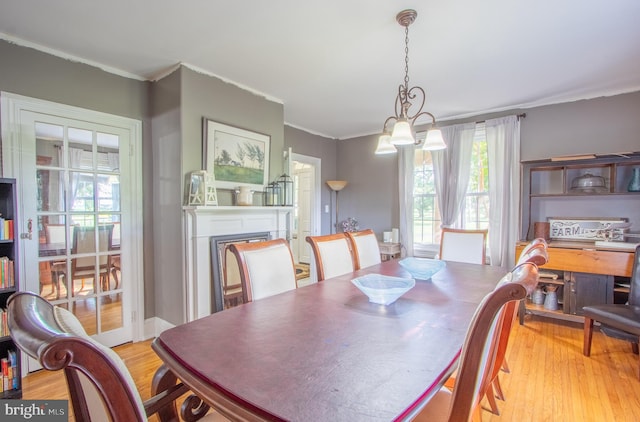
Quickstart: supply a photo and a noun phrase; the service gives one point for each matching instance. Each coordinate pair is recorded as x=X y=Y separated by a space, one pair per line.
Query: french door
x=78 y=183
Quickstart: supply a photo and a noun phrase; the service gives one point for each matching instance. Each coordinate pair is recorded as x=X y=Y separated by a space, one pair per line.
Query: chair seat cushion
x=622 y=317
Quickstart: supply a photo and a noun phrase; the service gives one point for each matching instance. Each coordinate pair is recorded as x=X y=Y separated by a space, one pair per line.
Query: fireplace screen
x=227 y=292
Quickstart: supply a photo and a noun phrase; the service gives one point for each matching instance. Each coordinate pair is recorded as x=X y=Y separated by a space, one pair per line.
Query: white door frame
x=315 y=197
x=11 y=108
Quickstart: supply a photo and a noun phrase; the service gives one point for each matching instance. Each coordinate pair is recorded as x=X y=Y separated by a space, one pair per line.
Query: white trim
x=316 y=200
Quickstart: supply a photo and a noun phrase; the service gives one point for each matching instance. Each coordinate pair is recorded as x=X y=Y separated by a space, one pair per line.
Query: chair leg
x=491 y=398
x=588 y=334
x=114 y=273
x=505 y=366
x=498 y=388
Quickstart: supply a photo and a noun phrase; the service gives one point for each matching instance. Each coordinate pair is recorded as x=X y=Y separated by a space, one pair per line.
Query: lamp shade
x=384 y=145
x=434 y=140
x=337 y=185
x=402 y=133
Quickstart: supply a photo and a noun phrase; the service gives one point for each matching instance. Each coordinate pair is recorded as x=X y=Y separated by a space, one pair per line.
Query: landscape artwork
x=236 y=157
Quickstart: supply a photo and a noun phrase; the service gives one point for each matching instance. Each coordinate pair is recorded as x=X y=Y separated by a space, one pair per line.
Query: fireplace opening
x=227 y=292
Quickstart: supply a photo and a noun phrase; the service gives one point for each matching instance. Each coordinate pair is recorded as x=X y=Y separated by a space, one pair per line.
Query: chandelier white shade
x=404 y=119
x=434 y=140
x=384 y=145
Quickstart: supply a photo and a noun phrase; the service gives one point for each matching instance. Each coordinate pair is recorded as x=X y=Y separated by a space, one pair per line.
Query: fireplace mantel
x=200 y=223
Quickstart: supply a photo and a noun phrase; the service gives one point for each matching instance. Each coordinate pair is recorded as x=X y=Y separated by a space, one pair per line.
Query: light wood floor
x=550 y=379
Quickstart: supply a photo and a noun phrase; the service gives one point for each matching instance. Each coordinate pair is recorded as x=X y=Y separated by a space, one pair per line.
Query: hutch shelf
x=584 y=271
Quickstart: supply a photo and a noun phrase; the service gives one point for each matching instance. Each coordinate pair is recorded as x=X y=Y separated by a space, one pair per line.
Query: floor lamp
x=336 y=186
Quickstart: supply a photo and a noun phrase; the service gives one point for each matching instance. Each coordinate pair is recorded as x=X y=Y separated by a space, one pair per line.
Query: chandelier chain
x=406 y=57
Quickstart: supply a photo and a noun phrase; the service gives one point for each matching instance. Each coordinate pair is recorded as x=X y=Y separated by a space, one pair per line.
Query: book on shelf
x=6 y=229
x=7 y=279
x=9 y=372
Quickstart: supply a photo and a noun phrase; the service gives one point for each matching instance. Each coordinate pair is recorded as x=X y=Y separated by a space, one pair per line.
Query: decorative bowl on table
x=422 y=268
x=383 y=289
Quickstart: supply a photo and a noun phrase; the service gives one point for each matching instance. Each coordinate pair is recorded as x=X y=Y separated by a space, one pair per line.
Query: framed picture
x=197 y=188
x=588 y=228
x=235 y=157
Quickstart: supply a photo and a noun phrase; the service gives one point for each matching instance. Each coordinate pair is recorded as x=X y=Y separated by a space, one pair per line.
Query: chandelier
x=403 y=132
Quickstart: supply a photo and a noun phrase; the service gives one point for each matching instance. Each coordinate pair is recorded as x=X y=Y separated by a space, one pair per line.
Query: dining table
x=323 y=352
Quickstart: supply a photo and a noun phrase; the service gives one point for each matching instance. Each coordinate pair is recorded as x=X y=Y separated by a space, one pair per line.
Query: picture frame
x=196 y=192
x=235 y=156
x=588 y=228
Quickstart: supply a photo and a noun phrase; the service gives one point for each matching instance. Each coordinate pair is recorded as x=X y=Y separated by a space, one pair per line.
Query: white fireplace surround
x=200 y=223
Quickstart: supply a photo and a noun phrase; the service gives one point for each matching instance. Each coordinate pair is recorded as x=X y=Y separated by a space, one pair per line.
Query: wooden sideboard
x=586 y=275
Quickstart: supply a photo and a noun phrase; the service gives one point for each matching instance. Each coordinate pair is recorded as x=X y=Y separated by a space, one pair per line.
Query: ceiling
x=336 y=65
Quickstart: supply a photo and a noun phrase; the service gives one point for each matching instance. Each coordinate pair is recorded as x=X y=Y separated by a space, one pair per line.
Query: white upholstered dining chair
x=364 y=245
x=333 y=255
x=463 y=245
x=266 y=268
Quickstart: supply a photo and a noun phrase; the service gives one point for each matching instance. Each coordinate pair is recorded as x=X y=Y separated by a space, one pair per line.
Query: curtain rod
x=519 y=116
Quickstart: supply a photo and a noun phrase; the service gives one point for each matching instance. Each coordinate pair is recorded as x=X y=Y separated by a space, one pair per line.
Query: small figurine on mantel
x=349 y=225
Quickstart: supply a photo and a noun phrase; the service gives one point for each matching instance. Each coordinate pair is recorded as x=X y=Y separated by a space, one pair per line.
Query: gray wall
x=601 y=125
x=180 y=100
x=31 y=73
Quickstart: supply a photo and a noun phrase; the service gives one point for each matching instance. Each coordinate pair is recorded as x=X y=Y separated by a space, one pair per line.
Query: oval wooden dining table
x=325 y=353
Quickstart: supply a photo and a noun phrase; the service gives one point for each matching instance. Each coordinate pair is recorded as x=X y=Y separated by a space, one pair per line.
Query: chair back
x=478 y=356
x=266 y=268
x=463 y=245
x=536 y=252
x=84 y=242
x=364 y=245
x=100 y=385
x=634 y=292
x=333 y=255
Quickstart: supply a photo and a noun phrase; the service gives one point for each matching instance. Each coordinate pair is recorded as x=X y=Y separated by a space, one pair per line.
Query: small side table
x=389 y=250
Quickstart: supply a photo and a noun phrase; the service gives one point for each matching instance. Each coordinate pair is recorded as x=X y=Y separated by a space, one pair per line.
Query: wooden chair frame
x=240 y=249
x=353 y=236
x=315 y=241
x=35 y=331
x=480 y=349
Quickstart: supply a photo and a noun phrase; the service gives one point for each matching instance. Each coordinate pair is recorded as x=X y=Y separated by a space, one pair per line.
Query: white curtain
x=451 y=169
x=406 y=158
x=503 y=145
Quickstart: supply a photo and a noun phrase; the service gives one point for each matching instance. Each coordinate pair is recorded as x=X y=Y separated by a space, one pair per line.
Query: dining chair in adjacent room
x=56 y=234
x=364 y=245
x=266 y=268
x=479 y=350
x=463 y=245
x=333 y=255
x=83 y=267
x=620 y=321
x=100 y=385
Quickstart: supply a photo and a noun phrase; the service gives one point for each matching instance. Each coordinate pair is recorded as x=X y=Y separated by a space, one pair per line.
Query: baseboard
x=154 y=326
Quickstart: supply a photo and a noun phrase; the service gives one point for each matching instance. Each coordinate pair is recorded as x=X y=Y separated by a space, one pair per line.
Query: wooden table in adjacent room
x=325 y=353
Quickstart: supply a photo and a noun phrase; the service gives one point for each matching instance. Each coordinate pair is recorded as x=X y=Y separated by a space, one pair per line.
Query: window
x=426 y=213
x=475 y=209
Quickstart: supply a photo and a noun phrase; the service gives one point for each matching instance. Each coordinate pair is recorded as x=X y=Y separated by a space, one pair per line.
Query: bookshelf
x=10 y=370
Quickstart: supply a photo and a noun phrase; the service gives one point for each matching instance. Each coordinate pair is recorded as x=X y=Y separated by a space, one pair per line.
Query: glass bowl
x=422 y=268
x=383 y=289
